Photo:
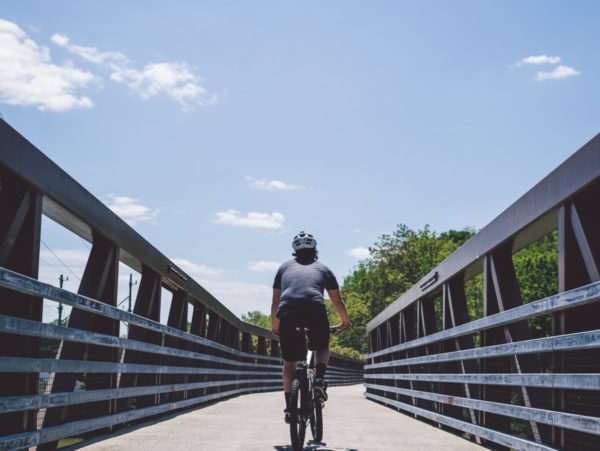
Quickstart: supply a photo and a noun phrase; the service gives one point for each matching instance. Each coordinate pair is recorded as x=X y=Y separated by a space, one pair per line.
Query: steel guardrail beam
x=558 y=302
x=36 y=365
x=49 y=400
x=498 y=437
x=29 y=439
x=18 y=282
x=9 y=324
x=569 y=342
x=567 y=420
x=586 y=381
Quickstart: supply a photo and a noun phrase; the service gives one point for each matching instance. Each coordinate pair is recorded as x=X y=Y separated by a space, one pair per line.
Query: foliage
x=398 y=261
x=258 y=318
x=536 y=267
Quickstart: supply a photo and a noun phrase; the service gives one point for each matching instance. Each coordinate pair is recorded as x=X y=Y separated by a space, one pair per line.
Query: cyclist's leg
x=319 y=342
x=288 y=374
x=293 y=349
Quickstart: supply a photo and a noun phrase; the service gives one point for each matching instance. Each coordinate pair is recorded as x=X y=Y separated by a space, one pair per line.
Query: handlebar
x=333 y=330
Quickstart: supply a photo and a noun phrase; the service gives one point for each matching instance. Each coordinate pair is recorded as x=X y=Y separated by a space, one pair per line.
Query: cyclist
x=297 y=303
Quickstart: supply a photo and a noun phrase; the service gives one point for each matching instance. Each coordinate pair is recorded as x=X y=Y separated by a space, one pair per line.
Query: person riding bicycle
x=298 y=303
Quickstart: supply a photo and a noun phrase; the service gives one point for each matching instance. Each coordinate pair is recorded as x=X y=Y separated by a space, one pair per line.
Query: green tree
x=536 y=267
x=397 y=261
x=258 y=318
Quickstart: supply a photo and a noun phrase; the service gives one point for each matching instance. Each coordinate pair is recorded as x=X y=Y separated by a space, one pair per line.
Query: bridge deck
x=255 y=422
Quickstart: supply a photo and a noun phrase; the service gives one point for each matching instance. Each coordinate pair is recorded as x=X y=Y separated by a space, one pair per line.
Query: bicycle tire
x=316 y=421
x=297 y=416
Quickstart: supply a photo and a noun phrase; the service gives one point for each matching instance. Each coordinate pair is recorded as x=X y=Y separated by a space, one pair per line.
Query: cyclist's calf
x=288 y=374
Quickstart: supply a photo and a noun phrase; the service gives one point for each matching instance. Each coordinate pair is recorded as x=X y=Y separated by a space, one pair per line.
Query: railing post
x=99 y=281
x=198 y=328
x=147 y=304
x=578 y=264
x=20 y=228
x=178 y=320
x=458 y=313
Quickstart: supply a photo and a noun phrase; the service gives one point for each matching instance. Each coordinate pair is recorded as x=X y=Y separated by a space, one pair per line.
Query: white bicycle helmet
x=304 y=240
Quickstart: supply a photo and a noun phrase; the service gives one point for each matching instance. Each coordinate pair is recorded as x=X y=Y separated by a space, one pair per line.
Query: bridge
x=434 y=377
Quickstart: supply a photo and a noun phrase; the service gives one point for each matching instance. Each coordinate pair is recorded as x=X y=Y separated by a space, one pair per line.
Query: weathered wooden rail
x=491 y=378
x=99 y=380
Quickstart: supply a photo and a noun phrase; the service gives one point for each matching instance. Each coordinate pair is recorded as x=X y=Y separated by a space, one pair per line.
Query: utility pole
x=130 y=286
x=61 y=280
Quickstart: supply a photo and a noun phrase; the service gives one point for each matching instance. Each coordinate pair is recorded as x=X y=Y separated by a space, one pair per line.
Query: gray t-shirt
x=302 y=280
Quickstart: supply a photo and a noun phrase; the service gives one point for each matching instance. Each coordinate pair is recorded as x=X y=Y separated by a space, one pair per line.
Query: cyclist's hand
x=275 y=331
x=346 y=326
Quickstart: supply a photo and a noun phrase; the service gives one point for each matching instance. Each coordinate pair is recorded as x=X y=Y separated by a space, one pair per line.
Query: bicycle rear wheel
x=316 y=421
x=298 y=417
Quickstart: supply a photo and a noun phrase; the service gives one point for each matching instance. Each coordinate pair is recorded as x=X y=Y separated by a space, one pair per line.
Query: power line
x=85 y=243
x=61 y=262
x=50 y=264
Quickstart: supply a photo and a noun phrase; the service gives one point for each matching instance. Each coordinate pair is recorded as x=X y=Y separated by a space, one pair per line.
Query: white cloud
x=90 y=54
x=277 y=185
x=539 y=59
x=173 y=79
x=195 y=269
x=263 y=265
x=359 y=252
x=560 y=73
x=28 y=77
x=253 y=219
x=130 y=209
x=240 y=297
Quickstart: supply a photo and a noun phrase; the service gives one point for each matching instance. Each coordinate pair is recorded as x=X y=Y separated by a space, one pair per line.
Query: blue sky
x=220 y=129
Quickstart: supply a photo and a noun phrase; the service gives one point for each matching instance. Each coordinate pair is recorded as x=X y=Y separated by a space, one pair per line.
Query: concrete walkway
x=255 y=422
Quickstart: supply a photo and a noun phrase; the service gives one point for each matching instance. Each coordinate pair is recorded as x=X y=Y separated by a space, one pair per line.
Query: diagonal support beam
x=584 y=245
x=455 y=301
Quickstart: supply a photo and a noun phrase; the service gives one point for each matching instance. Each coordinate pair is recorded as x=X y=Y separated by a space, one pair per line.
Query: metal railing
x=96 y=379
x=491 y=378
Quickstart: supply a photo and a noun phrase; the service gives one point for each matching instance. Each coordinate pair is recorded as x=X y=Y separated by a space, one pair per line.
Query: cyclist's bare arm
x=340 y=308
x=274 y=306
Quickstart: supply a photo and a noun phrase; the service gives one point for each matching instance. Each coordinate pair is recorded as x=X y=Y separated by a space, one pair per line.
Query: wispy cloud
x=176 y=80
x=538 y=60
x=252 y=219
x=359 y=252
x=28 y=77
x=273 y=185
x=263 y=266
x=173 y=79
x=90 y=54
x=559 y=73
x=195 y=269
x=130 y=209
x=240 y=297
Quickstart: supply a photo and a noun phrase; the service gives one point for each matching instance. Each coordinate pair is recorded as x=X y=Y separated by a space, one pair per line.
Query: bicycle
x=304 y=408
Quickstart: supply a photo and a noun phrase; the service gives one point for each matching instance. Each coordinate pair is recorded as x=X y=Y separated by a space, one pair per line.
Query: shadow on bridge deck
x=255 y=422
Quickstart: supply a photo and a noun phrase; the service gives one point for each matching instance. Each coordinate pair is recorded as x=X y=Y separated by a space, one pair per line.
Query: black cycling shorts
x=311 y=315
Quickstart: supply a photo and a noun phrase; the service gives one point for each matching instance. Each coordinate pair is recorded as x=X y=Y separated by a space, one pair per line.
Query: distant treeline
x=400 y=259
